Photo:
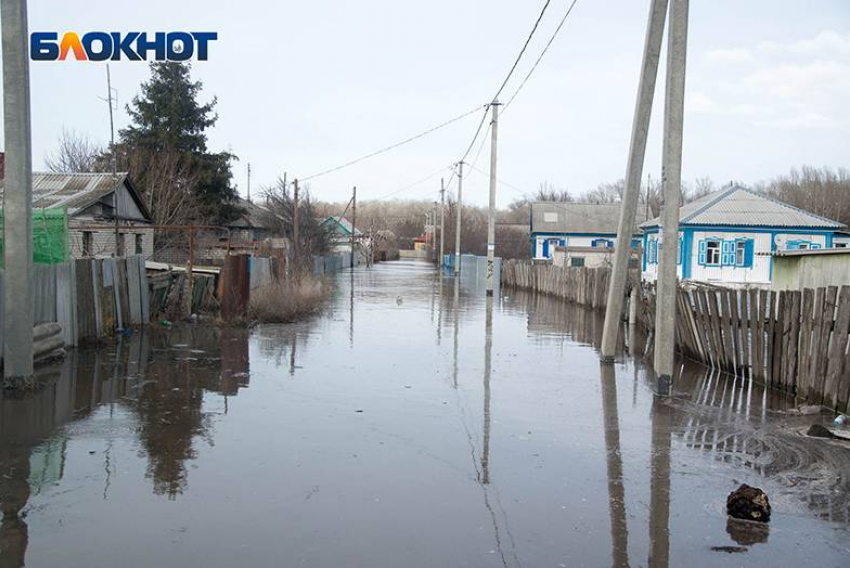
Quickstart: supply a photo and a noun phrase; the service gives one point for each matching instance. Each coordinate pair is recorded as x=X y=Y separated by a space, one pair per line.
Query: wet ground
x=412 y=424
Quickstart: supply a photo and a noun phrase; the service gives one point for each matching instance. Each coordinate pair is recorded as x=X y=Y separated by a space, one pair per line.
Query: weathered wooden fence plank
x=805 y=342
x=837 y=348
x=827 y=321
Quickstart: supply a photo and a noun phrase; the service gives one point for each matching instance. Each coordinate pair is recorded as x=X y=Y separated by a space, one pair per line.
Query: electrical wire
x=542 y=53
x=392 y=146
x=522 y=51
x=507 y=78
x=414 y=184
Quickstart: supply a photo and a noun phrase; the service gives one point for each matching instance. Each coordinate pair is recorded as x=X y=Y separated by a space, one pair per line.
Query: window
x=577 y=261
x=740 y=253
x=712 y=253
x=139 y=243
x=652 y=253
x=87 y=243
x=602 y=243
x=122 y=238
x=550 y=217
x=803 y=246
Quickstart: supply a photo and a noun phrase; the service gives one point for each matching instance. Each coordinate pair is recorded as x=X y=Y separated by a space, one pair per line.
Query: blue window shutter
x=793 y=245
x=681 y=251
x=749 y=252
x=703 y=247
x=815 y=245
x=728 y=253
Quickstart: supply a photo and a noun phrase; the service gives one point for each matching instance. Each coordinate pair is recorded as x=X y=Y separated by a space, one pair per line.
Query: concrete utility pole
x=434 y=232
x=296 y=241
x=442 y=222
x=491 y=219
x=668 y=237
x=457 y=216
x=353 y=221
x=634 y=170
x=17 y=202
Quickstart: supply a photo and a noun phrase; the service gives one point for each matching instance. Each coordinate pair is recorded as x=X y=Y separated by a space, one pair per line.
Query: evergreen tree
x=167 y=119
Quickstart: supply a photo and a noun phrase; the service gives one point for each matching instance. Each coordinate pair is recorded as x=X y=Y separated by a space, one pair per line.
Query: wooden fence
x=796 y=341
x=791 y=340
x=584 y=286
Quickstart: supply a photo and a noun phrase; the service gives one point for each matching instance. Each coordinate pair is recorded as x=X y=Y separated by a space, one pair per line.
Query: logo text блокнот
x=114 y=46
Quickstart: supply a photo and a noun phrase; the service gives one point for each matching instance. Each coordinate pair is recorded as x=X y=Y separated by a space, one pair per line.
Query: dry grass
x=287 y=301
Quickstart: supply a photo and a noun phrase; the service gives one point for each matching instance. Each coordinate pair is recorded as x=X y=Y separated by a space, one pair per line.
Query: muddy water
x=412 y=424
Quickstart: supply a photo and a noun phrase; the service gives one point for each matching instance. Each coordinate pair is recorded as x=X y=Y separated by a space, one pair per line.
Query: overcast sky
x=304 y=86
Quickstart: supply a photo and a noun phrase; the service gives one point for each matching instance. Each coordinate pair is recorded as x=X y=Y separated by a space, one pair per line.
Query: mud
x=412 y=424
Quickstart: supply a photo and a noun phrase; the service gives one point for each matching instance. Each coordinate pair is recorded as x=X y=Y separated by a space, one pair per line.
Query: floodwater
x=412 y=424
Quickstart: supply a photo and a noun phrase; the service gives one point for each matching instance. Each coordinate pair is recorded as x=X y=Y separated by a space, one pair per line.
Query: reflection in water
x=616 y=491
x=156 y=378
x=659 y=488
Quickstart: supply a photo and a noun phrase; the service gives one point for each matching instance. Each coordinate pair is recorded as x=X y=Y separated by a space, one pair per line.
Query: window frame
x=718 y=249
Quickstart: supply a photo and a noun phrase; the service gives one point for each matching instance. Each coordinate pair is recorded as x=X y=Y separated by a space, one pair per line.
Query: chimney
x=2 y=165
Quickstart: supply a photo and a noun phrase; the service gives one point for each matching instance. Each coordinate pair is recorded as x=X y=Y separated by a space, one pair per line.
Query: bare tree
x=547 y=191
x=76 y=153
x=279 y=204
x=822 y=191
x=169 y=187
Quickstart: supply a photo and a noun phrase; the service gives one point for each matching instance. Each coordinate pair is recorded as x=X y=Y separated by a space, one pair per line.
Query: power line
x=414 y=184
x=522 y=51
x=542 y=53
x=507 y=78
x=391 y=147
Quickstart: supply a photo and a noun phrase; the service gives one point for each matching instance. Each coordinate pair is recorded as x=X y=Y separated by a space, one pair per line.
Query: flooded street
x=410 y=424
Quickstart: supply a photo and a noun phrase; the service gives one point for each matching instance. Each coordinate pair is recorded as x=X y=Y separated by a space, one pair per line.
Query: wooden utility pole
x=114 y=159
x=249 y=182
x=442 y=222
x=634 y=173
x=457 y=216
x=491 y=220
x=353 y=221
x=671 y=183
x=296 y=242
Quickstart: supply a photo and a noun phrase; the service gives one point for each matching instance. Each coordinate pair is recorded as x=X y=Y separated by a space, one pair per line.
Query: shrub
x=287 y=301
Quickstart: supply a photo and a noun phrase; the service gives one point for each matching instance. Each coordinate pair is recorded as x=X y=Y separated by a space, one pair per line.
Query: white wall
x=571 y=241
x=759 y=273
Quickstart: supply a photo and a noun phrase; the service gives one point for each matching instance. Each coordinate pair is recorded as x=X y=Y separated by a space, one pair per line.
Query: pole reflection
x=616 y=490
x=659 y=507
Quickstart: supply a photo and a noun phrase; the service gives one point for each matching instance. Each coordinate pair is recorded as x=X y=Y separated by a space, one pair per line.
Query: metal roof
x=344 y=223
x=76 y=191
x=556 y=217
x=739 y=206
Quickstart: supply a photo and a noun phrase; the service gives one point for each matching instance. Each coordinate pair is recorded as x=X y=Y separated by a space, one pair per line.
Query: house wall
x=759 y=265
x=544 y=243
x=103 y=239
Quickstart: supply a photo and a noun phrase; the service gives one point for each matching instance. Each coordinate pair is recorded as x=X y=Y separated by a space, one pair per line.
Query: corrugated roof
x=739 y=206
x=554 y=217
x=76 y=191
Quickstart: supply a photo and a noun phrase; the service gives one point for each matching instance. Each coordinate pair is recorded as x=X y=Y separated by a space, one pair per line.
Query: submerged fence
x=584 y=286
x=791 y=340
x=795 y=341
x=88 y=298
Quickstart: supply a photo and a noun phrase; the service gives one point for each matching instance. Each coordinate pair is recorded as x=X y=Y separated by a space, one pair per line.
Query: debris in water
x=840 y=420
x=819 y=431
x=748 y=503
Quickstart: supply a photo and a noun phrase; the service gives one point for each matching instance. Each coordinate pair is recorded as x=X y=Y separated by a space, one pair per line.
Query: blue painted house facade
x=556 y=224
x=729 y=237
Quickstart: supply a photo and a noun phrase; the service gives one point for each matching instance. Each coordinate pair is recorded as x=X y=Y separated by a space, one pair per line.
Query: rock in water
x=819 y=431
x=750 y=503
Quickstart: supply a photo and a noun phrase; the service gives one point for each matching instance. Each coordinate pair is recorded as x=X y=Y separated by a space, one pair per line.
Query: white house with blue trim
x=556 y=224
x=729 y=236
